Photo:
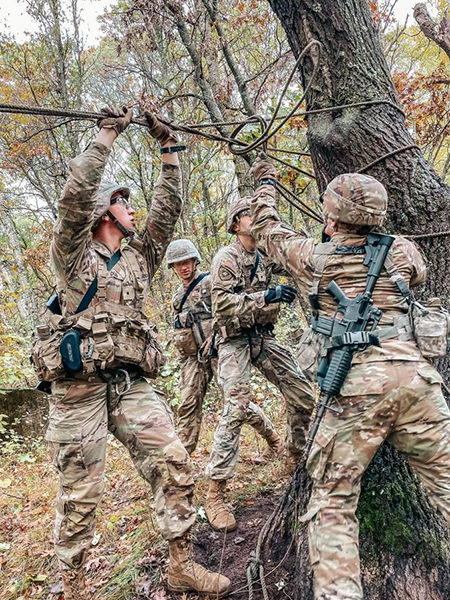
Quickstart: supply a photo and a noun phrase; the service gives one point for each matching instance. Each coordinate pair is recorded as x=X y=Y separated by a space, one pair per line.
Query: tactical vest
x=251 y=280
x=427 y=324
x=193 y=318
x=111 y=335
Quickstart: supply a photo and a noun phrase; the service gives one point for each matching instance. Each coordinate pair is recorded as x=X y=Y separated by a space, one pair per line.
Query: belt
x=106 y=375
x=400 y=329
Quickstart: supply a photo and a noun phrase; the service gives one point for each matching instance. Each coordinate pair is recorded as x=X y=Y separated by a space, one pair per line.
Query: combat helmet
x=103 y=198
x=179 y=250
x=355 y=199
x=235 y=208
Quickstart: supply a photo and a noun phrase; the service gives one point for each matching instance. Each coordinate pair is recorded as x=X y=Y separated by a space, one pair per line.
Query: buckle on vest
x=357 y=338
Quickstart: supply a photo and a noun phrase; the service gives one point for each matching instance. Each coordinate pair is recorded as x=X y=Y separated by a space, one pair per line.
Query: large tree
x=404 y=543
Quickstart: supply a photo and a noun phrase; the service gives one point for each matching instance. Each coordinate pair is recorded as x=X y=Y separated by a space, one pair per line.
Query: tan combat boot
x=185 y=575
x=219 y=515
x=275 y=448
x=74 y=585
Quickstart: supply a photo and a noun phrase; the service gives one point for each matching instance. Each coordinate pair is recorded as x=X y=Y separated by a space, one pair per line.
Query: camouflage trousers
x=236 y=357
x=195 y=377
x=141 y=419
x=397 y=401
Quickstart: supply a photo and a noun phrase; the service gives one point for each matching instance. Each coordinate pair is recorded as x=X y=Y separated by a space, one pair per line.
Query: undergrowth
x=129 y=557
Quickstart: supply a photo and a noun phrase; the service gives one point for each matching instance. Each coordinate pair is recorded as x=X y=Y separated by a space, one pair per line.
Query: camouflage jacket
x=75 y=255
x=199 y=300
x=193 y=324
x=236 y=301
x=294 y=252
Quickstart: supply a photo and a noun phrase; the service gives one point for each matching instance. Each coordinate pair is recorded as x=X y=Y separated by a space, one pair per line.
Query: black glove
x=280 y=293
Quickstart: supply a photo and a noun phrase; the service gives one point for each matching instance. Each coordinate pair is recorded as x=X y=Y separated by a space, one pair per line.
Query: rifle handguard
x=337 y=371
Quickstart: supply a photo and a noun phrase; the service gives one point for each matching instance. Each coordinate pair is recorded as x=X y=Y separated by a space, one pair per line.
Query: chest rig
x=193 y=320
x=401 y=327
x=107 y=335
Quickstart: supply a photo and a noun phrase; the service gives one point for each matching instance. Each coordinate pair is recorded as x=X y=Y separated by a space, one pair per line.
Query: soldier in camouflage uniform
x=245 y=309
x=193 y=338
x=391 y=392
x=112 y=391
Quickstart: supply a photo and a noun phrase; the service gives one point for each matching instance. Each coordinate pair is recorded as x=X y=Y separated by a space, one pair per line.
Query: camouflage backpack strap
x=101 y=279
x=397 y=280
x=137 y=243
x=321 y=254
x=98 y=286
x=133 y=263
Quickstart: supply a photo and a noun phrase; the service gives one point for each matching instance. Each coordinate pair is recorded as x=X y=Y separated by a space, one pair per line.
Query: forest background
x=213 y=61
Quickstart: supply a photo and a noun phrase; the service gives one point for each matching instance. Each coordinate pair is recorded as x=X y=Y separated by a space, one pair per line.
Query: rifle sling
x=189 y=290
x=255 y=266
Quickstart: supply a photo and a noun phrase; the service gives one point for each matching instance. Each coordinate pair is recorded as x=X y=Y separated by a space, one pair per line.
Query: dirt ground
x=232 y=552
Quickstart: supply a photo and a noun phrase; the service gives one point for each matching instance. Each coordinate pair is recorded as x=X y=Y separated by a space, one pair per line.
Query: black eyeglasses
x=243 y=213
x=121 y=200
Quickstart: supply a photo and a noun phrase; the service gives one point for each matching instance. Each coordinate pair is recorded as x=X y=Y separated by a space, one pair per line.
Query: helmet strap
x=126 y=232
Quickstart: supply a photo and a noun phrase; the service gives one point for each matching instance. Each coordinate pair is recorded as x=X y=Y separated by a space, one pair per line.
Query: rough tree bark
x=404 y=543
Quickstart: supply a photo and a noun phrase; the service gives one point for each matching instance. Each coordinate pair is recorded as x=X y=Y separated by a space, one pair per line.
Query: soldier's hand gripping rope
x=349 y=333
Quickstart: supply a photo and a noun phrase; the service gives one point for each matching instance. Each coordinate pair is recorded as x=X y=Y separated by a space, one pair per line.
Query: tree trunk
x=404 y=543
x=26 y=411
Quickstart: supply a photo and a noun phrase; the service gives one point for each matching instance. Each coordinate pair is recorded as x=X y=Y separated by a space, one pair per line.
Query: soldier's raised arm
x=76 y=207
x=287 y=248
x=166 y=203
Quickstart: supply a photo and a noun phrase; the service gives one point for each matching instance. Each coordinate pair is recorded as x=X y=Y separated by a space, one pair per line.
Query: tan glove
x=115 y=118
x=263 y=168
x=158 y=130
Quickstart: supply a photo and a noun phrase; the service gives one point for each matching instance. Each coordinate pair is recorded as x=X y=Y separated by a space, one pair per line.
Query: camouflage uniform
x=81 y=410
x=391 y=392
x=244 y=324
x=196 y=370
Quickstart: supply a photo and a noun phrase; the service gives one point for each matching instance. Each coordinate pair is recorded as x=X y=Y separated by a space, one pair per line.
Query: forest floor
x=128 y=559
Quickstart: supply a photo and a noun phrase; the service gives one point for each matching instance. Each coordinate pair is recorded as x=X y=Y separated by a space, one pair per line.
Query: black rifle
x=349 y=333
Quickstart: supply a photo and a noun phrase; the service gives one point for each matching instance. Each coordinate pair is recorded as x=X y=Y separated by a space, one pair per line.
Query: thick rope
x=239 y=147
x=421 y=236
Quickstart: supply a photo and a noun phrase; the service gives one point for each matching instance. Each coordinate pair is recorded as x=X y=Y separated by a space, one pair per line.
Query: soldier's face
x=122 y=211
x=243 y=225
x=185 y=268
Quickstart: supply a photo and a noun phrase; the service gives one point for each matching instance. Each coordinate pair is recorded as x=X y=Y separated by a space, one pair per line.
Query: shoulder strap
x=321 y=253
x=255 y=266
x=396 y=279
x=92 y=290
x=190 y=288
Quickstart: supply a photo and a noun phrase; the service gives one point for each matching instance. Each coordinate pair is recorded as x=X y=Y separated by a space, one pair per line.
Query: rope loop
x=266 y=134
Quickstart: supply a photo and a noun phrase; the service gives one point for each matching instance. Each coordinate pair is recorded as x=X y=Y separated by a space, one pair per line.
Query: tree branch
x=439 y=34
